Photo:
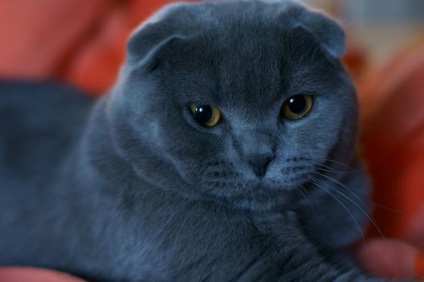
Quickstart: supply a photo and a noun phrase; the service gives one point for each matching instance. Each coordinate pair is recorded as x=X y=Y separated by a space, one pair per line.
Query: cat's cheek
x=152 y=130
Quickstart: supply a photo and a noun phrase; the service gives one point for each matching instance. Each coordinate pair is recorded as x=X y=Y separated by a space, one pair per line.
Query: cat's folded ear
x=325 y=30
x=155 y=37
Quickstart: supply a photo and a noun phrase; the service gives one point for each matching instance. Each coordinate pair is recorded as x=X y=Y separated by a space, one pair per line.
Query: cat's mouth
x=282 y=185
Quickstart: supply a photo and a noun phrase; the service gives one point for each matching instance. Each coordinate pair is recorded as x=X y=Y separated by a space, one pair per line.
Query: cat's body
x=133 y=188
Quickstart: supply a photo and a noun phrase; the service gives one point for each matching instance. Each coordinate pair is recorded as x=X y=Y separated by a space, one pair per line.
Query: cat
x=225 y=151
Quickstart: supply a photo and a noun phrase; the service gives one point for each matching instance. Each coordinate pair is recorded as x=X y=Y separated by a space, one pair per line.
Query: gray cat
x=225 y=151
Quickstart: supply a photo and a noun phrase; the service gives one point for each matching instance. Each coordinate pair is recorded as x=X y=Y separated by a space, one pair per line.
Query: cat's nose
x=259 y=163
x=258 y=150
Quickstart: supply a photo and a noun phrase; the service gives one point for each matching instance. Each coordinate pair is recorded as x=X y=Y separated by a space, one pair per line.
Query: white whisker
x=367 y=200
x=326 y=168
x=342 y=186
x=340 y=202
x=362 y=209
x=341 y=164
x=300 y=190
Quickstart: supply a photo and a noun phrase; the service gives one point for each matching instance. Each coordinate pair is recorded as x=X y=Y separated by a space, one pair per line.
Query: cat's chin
x=258 y=198
x=258 y=202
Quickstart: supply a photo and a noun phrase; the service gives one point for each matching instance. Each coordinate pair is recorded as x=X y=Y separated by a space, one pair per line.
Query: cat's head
x=238 y=102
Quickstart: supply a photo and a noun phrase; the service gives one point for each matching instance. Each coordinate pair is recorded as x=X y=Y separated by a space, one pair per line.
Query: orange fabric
x=419 y=265
x=388 y=258
x=30 y=274
x=393 y=145
x=397 y=258
x=79 y=41
x=393 y=141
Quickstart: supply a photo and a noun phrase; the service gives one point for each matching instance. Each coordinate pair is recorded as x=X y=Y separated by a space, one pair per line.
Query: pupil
x=297 y=104
x=203 y=114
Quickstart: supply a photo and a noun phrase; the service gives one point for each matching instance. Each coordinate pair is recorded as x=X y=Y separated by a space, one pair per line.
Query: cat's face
x=237 y=107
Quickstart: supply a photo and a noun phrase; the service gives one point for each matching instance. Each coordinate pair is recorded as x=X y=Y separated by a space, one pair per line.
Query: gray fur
x=131 y=188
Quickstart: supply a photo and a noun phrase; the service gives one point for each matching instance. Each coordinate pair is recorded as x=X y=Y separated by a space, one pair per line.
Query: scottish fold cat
x=225 y=151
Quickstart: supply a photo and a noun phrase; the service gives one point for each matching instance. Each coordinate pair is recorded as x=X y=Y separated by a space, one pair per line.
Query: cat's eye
x=206 y=115
x=297 y=106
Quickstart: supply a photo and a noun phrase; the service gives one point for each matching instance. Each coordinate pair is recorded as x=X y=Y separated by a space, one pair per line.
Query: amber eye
x=206 y=115
x=297 y=106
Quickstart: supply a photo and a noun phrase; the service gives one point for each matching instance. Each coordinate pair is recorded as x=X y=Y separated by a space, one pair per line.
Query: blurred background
x=381 y=26
x=84 y=41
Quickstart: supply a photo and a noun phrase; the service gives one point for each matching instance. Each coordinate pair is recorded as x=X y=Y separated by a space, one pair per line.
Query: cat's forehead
x=255 y=59
x=241 y=49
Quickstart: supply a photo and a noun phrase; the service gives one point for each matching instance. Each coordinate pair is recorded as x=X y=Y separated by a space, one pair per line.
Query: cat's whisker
x=367 y=199
x=347 y=190
x=368 y=202
x=328 y=168
x=325 y=168
x=398 y=212
x=343 y=186
x=317 y=183
x=342 y=164
x=302 y=191
x=362 y=209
